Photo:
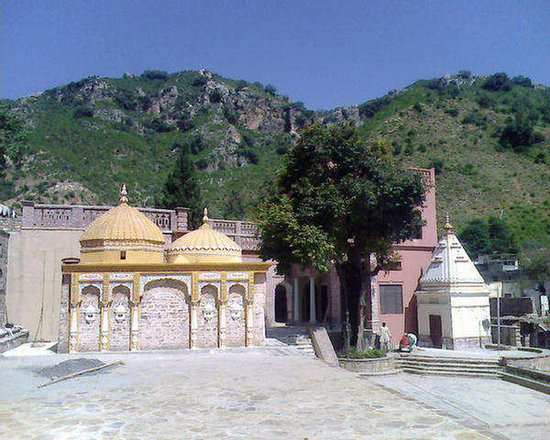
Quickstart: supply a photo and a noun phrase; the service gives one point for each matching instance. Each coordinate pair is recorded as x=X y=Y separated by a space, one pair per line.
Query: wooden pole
x=78 y=373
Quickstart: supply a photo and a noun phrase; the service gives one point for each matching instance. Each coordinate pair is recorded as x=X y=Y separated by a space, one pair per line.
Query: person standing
x=385 y=337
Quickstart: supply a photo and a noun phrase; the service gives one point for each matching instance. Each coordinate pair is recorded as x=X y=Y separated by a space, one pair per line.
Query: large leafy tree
x=12 y=137
x=182 y=187
x=341 y=201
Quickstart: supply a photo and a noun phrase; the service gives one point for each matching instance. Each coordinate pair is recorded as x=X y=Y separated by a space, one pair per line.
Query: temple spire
x=205 y=218
x=123 y=194
x=448 y=227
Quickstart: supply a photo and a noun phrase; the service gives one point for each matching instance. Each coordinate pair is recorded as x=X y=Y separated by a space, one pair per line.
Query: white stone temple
x=453 y=299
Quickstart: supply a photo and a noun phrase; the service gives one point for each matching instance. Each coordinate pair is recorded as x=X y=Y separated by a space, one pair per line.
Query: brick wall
x=208 y=317
x=119 y=319
x=259 y=305
x=88 y=330
x=4 y=237
x=235 y=317
x=164 y=316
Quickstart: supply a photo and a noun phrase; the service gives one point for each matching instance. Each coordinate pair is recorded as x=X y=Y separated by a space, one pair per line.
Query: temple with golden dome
x=132 y=291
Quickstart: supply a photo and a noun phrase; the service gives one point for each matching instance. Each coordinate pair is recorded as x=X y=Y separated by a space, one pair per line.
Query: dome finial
x=205 y=218
x=448 y=227
x=123 y=194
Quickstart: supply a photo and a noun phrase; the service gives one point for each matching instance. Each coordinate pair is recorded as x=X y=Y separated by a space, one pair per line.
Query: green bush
x=522 y=81
x=83 y=112
x=519 y=135
x=452 y=112
x=436 y=164
x=155 y=74
x=215 y=96
x=464 y=74
x=369 y=354
x=499 y=82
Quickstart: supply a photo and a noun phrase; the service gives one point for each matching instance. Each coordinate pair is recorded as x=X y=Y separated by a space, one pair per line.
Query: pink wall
x=415 y=257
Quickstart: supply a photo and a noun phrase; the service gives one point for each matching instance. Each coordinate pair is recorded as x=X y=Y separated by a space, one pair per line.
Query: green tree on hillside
x=519 y=135
x=481 y=237
x=12 y=137
x=341 y=201
x=182 y=188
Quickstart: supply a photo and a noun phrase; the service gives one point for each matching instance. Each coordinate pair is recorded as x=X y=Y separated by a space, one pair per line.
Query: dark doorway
x=321 y=306
x=305 y=304
x=280 y=304
x=435 y=331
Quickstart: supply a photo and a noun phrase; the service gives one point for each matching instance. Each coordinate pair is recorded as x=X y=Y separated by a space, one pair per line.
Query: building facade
x=453 y=299
x=306 y=296
x=127 y=293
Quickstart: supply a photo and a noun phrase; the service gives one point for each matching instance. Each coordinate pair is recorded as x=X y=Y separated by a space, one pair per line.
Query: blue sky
x=324 y=53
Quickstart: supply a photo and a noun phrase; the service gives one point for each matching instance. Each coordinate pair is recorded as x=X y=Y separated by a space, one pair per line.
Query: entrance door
x=280 y=304
x=435 y=331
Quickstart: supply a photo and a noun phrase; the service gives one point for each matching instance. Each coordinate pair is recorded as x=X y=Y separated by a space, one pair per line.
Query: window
x=418 y=229
x=391 y=299
x=123 y=255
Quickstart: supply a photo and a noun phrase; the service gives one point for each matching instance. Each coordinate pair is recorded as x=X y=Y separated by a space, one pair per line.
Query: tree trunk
x=355 y=282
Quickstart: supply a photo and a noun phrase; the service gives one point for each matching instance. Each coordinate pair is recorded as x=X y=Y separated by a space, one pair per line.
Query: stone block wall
x=235 y=317
x=164 y=316
x=259 y=287
x=88 y=320
x=63 y=338
x=119 y=319
x=4 y=239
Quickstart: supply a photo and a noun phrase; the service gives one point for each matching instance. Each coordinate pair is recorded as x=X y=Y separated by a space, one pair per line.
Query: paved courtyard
x=266 y=393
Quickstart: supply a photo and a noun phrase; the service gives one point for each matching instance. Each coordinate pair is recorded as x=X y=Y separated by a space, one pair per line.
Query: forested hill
x=488 y=138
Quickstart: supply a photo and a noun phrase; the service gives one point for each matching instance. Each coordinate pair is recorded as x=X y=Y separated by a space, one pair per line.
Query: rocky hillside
x=487 y=137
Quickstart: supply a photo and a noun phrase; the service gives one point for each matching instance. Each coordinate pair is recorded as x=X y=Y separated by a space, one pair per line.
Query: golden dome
x=122 y=228
x=204 y=244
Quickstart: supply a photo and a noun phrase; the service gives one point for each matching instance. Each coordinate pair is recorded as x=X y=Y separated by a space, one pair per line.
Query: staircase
x=536 y=380
x=297 y=337
x=450 y=366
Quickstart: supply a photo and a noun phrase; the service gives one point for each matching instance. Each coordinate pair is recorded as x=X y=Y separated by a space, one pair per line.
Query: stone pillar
x=182 y=219
x=134 y=325
x=134 y=314
x=74 y=307
x=312 y=310
x=222 y=323
x=194 y=327
x=249 y=339
x=104 y=307
x=296 y=300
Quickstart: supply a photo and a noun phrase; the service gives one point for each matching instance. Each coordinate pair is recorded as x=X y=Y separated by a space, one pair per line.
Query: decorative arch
x=164 y=313
x=120 y=316
x=208 y=316
x=236 y=315
x=88 y=318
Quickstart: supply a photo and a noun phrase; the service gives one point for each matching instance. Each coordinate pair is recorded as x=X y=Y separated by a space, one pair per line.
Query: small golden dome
x=204 y=244
x=122 y=228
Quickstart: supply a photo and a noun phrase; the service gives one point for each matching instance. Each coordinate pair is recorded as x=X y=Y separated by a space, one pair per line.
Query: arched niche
x=88 y=318
x=208 y=316
x=236 y=316
x=164 y=315
x=120 y=315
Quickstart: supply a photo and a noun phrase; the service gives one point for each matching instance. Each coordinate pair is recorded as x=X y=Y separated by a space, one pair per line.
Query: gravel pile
x=70 y=366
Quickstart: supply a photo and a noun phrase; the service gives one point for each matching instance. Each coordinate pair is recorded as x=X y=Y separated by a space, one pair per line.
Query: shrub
x=452 y=112
x=368 y=109
x=215 y=96
x=155 y=74
x=241 y=84
x=417 y=107
x=201 y=164
x=397 y=149
x=484 y=100
x=200 y=81
x=464 y=74
x=422 y=148
x=436 y=164
x=281 y=149
x=271 y=89
x=519 y=135
x=498 y=82
x=83 y=112
x=409 y=149
x=522 y=81
x=250 y=155
x=369 y=354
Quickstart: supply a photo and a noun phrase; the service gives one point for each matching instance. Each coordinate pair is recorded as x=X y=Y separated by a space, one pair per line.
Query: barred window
x=391 y=299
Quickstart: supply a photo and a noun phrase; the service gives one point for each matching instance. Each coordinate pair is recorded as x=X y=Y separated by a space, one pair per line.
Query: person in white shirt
x=385 y=337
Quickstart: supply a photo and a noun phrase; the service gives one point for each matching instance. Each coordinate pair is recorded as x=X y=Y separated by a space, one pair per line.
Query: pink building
x=307 y=296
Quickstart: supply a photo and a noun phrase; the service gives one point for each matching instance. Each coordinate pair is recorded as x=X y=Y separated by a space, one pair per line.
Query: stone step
x=452 y=370
x=442 y=360
x=434 y=372
x=449 y=365
x=526 y=382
